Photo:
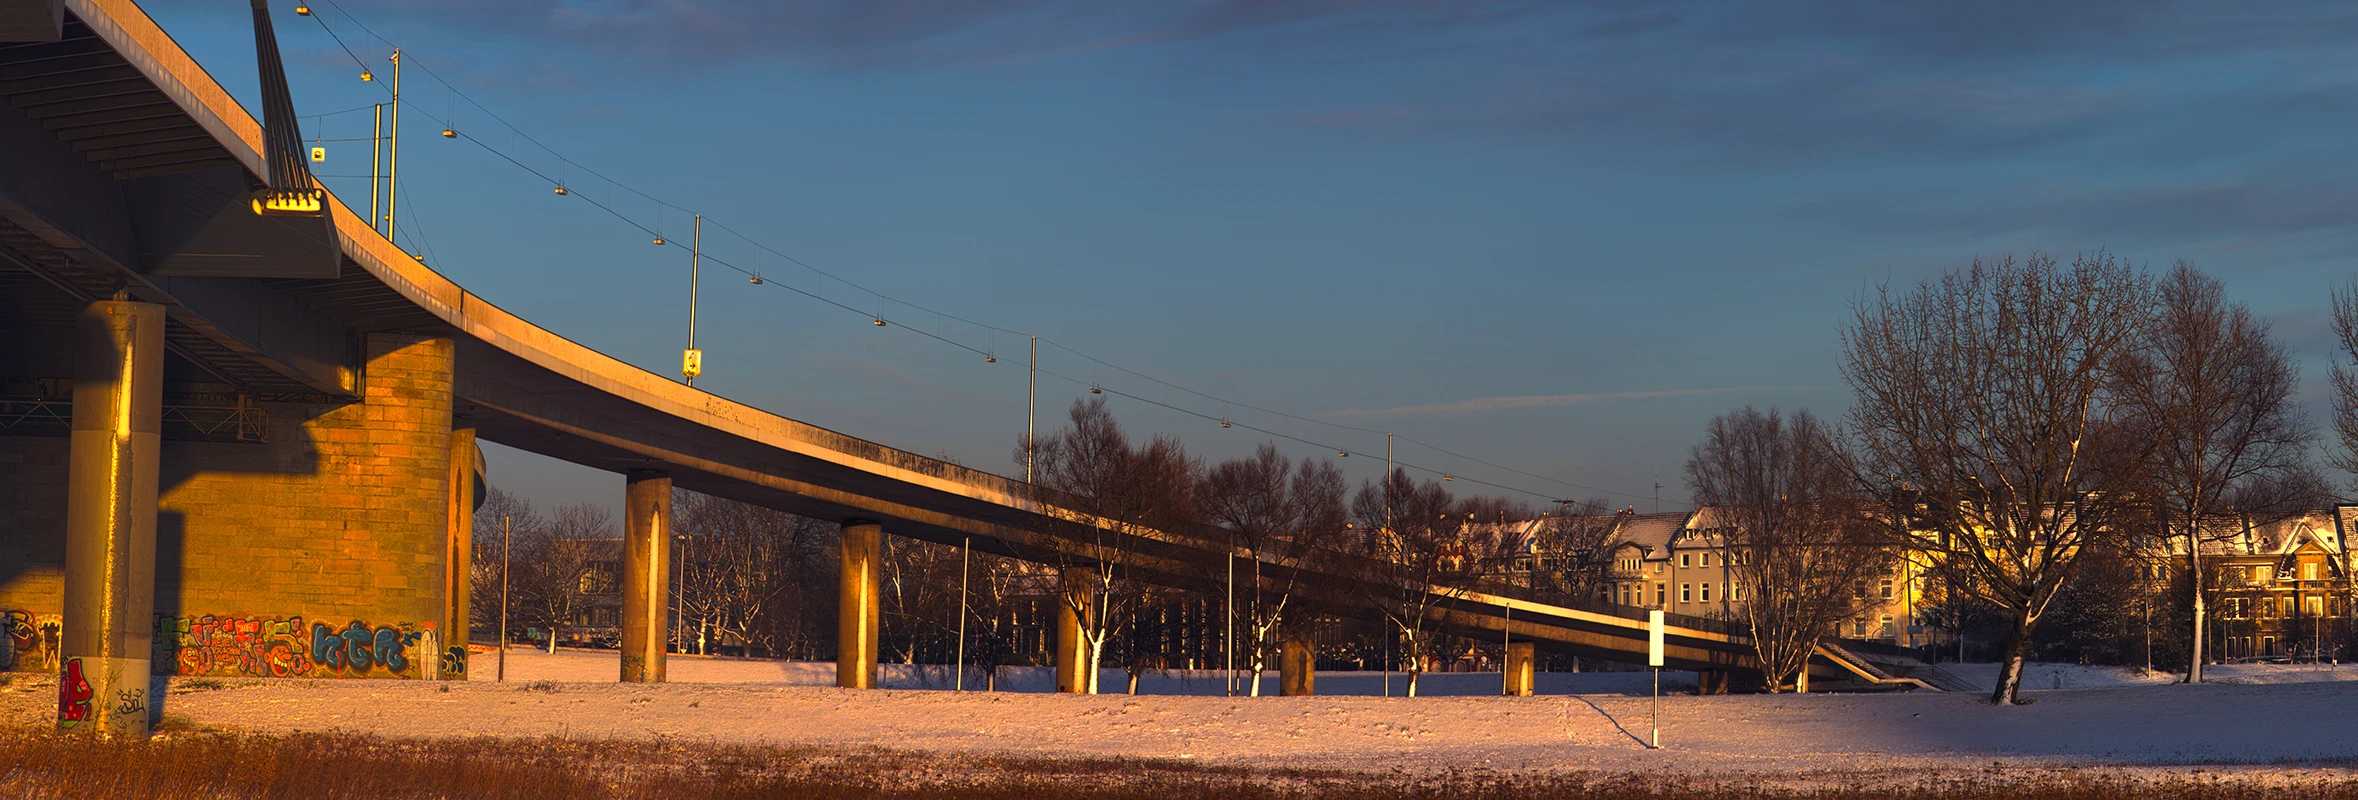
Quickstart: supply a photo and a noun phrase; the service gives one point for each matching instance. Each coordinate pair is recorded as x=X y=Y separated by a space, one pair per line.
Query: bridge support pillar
x=459 y=557
x=646 y=573
x=110 y=553
x=1297 y=666
x=1711 y=681
x=858 y=632
x=1518 y=669
x=1076 y=670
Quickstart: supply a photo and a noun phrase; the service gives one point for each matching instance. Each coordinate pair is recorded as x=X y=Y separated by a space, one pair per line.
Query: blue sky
x=1555 y=236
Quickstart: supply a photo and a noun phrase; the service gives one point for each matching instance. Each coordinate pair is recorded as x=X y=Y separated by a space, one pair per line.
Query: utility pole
x=1031 y=404
x=503 y=600
x=393 y=150
x=692 y=360
x=376 y=166
x=965 y=555
x=1388 y=632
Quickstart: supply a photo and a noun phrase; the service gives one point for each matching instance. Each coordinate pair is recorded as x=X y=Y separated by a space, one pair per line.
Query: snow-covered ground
x=605 y=665
x=2049 y=677
x=2266 y=722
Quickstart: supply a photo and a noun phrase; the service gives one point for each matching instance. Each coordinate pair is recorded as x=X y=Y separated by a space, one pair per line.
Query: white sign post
x=1654 y=659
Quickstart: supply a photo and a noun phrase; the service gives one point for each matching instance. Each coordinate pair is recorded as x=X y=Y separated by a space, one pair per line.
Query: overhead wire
x=883 y=300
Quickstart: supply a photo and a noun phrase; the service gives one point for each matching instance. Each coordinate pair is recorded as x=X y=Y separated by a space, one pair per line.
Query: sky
x=1554 y=237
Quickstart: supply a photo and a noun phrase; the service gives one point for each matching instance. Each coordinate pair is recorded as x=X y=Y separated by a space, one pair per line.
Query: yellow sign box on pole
x=692 y=363
x=318 y=155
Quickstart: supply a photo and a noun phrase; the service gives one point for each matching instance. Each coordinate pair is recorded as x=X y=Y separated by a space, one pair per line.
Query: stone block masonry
x=322 y=553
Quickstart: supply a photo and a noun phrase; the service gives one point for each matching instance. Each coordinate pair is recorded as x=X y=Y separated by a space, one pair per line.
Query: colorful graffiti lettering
x=32 y=639
x=279 y=648
x=231 y=646
x=454 y=662
x=73 y=695
x=358 y=649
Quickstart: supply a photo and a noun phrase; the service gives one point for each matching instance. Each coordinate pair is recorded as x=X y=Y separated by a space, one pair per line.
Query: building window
x=1736 y=591
x=1682 y=560
x=1686 y=593
x=2309 y=571
x=1885 y=631
x=1886 y=588
x=1858 y=628
x=599 y=578
x=1706 y=559
x=1661 y=593
x=1706 y=592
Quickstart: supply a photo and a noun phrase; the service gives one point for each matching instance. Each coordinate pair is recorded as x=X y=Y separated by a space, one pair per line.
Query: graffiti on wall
x=32 y=640
x=281 y=647
x=73 y=694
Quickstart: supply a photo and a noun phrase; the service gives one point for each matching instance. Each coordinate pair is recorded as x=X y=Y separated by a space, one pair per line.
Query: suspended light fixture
x=302 y=11
x=1447 y=477
x=448 y=133
x=1342 y=454
x=1223 y=423
x=755 y=280
x=561 y=190
x=366 y=76
x=659 y=240
x=990 y=359
x=880 y=323
x=1094 y=390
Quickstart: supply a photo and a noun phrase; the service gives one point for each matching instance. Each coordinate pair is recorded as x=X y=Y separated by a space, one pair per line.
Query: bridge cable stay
x=754 y=277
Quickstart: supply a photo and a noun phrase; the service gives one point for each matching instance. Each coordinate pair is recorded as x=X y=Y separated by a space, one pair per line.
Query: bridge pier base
x=1518 y=669
x=110 y=552
x=1075 y=669
x=860 y=615
x=458 y=558
x=646 y=574
x=1297 y=674
x=1711 y=681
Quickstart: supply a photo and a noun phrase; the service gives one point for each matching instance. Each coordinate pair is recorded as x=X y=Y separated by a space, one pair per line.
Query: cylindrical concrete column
x=1297 y=666
x=646 y=574
x=459 y=557
x=1518 y=669
x=859 y=630
x=1073 y=664
x=110 y=558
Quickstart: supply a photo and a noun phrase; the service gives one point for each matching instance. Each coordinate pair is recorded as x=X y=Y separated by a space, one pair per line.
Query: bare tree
x=736 y=562
x=1127 y=489
x=2214 y=392
x=1272 y=512
x=1777 y=493
x=921 y=599
x=1414 y=554
x=1986 y=411
x=1572 y=549
x=522 y=521
x=563 y=565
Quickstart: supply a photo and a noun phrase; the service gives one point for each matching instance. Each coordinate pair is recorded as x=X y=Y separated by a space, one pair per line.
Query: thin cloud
x=1487 y=404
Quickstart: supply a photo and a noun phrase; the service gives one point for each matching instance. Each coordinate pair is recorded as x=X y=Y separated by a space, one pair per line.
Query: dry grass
x=42 y=764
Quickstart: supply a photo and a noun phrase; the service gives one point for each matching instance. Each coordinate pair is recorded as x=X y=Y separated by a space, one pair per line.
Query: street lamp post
x=502 y=674
x=692 y=359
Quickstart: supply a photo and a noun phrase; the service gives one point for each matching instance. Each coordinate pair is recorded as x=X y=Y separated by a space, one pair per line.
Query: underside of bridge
x=316 y=395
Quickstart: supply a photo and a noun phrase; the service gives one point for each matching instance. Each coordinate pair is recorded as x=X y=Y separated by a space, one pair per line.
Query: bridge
x=241 y=442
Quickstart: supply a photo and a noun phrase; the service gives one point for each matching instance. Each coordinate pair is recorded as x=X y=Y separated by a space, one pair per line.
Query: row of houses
x=2274 y=582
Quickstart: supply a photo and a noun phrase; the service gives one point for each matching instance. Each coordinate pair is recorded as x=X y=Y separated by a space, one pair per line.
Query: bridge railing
x=1592 y=605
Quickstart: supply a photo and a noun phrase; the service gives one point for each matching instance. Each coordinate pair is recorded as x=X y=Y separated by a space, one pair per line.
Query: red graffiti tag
x=73 y=694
